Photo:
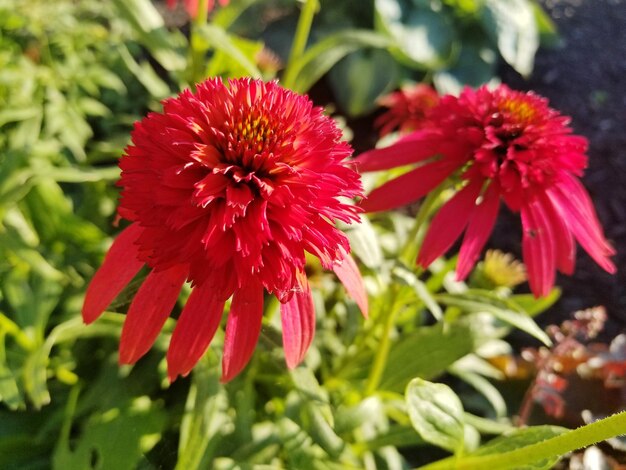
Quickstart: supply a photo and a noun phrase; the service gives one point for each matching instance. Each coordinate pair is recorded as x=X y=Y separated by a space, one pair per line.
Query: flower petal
x=348 y=273
x=194 y=330
x=298 y=320
x=150 y=308
x=120 y=265
x=538 y=249
x=479 y=228
x=408 y=187
x=412 y=148
x=573 y=204
x=564 y=241
x=448 y=224
x=242 y=329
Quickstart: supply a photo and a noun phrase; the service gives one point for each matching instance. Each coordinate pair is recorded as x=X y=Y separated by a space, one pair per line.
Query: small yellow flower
x=502 y=269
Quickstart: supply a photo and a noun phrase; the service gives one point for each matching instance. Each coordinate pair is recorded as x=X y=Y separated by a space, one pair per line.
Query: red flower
x=408 y=109
x=192 y=5
x=227 y=188
x=502 y=144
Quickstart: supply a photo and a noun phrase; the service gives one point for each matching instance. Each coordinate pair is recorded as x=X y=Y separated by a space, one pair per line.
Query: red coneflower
x=227 y=188
x=192 y=5
x=408 y=109
x=502 y=144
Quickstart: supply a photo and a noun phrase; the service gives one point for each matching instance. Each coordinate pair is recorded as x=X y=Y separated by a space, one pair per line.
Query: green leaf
x=145 y=74
x=117 y=438
x=35 y=368
x=321 y=57
x=534 y=306
x=71 y=174
x=13 y=115
x=436 y=413
x=92 y=107
x=427 y=353
x=475 y=66
x=149 y=26
x=396 y=436
x=218 y=39
x=515 y=441
x=517 y=319
x=482 y=385
x=548 y=34
x=320 y=430
x=205 y=417
x=9 y=392
x=521 y=438
x=511 y=25
x=355 y=95
x=32 y=299
x=420 y=290
x=423 y=37
x=364 y=243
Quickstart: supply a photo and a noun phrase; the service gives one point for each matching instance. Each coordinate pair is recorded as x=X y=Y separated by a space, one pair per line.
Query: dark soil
x=585 y=77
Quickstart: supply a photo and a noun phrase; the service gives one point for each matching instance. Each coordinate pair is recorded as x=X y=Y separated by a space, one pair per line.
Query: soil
x=585 y=77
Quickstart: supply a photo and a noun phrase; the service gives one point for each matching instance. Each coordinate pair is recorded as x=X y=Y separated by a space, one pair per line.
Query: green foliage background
x=74 y=76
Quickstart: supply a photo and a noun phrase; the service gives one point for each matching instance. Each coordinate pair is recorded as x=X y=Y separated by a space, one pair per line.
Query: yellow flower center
x=519 y=110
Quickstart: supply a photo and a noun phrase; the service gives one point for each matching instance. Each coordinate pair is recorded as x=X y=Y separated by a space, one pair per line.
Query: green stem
x=407 y=255
x=197 y=51
x=380 y=359
x=584 y=436
x=411 y=247
x=300 y=39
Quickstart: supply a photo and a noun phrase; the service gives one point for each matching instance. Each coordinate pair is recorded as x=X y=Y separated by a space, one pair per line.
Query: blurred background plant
x=74 y=76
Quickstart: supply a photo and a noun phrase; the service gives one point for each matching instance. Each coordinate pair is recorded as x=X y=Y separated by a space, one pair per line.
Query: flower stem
x=300 y=39
x=407 y=256
x=380 y=360
x=411 y=247
x=584 y=436
x=197 y=51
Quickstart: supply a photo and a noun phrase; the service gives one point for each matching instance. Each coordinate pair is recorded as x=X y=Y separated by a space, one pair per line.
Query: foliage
x=74 y=76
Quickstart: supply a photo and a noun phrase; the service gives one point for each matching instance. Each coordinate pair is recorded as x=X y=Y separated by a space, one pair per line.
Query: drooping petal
x=194 y=330
x=448 y=224
x=478 y=230
x=538 y=249
x=149 y=310
x=573 y=204
x=348 y=273
x=413 y=148
x=243 y=328
x=564 y=241
x=408 y=188
x=298 y=319
x=120 y=265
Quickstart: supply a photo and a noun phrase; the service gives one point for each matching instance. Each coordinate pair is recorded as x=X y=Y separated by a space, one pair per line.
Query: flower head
x=408 y=109
x=228 y=188
x=502 y=269
x=192 y=5
x=498 y=145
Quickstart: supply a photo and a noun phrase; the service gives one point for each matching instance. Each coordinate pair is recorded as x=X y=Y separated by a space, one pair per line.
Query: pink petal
x=150 y=308
x=538 y=249
x=120 y=265
x=564 y=241
x=573 y=204
x=298 y=319
x=448 y=224
x=243 y=329
x=413 y=148
x=480 y=226
x=194 y=330
x=407 y=188
x=348 y=273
